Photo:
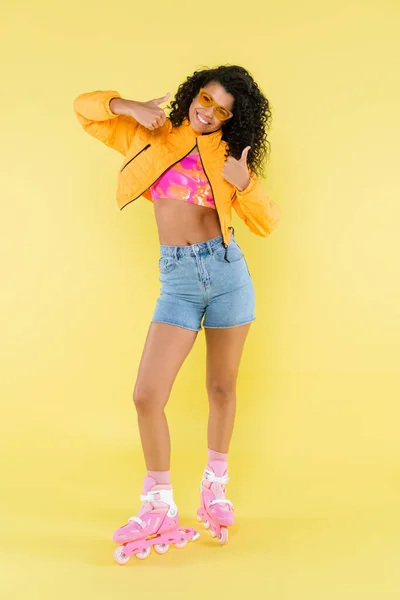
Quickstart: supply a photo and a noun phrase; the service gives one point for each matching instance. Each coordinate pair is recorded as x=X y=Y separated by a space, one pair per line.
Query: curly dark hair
x=251 y=112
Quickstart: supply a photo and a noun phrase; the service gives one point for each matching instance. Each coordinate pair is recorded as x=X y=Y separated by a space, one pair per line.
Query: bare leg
x=165 y=350
x=224 y=351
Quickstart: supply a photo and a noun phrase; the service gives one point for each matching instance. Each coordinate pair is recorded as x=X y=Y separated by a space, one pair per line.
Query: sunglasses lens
x=221 y=114
x=205 y=99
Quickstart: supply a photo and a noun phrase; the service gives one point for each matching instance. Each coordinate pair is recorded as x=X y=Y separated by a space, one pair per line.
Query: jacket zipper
x=216 y=209
x=167 y=169
x=202 y=164
x=133 y=158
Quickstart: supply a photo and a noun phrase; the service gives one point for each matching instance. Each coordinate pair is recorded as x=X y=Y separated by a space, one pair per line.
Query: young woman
x=194 y=166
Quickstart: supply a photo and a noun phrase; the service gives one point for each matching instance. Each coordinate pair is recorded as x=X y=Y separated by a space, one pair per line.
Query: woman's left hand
x=236 y=171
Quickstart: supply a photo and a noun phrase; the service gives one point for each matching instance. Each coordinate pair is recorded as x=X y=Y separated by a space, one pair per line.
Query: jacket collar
x=212 y=140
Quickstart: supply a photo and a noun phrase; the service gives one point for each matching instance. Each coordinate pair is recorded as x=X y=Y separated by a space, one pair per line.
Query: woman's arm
x=114 y=120
x=115 y=129
x=251 y=201
x=256 y=208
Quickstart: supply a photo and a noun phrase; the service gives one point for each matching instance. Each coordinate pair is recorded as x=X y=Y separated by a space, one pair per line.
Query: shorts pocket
x=234 y=253
x=166 y=264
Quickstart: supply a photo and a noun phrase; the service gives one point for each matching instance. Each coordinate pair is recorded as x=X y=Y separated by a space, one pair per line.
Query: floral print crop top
x=185 y=181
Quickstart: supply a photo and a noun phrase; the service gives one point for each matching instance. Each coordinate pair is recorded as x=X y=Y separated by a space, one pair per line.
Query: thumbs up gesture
x=236 y=171
x=149 y=114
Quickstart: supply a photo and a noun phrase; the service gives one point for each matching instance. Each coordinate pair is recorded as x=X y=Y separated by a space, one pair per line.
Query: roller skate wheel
x=120 y=557
x=161 y=548
x=223 y=536
x=181 y=544
x=206 y=525
x=199 y=518
x=143 y=554
x=213 y=534
x=196 y=536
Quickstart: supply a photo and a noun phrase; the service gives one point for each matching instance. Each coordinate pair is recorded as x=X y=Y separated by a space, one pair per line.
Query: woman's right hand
x=149 y=114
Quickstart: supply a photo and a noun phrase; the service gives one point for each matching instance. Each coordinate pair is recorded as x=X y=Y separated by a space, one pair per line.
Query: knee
x=221 y=393
x=146 y=399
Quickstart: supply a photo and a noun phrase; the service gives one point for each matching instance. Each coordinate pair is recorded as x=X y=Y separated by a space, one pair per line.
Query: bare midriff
x=183 y=223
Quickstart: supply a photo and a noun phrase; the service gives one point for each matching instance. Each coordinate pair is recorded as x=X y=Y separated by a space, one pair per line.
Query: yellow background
x=315 y=457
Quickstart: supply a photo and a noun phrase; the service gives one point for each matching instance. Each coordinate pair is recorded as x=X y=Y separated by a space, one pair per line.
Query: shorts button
x=196 y=247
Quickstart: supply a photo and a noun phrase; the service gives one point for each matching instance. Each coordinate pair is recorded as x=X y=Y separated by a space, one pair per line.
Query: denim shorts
x=198 y=283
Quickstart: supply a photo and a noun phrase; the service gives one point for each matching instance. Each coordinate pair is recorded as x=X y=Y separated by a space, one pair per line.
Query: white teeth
x=201 y=119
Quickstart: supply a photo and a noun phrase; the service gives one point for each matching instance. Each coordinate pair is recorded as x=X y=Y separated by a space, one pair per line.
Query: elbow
x=273 y=217
x=267 y=226
x=77 y=104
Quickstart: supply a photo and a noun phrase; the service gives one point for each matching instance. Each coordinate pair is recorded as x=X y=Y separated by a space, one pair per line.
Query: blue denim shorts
x=198 y=283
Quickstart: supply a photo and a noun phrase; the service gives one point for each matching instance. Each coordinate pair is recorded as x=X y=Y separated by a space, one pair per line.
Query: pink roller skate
x=155 y=525
x=215 y=511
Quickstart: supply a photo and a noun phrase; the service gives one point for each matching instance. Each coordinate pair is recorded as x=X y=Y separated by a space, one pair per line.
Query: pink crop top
x=185 y=181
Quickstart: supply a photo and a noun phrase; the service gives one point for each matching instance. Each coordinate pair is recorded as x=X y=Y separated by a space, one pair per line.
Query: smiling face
x=202 y=118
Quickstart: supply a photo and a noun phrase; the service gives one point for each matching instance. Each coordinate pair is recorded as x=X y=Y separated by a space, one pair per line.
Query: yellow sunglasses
x=207 y=100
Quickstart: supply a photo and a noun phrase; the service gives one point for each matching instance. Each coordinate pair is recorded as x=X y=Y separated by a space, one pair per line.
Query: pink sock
x=161 y=477
x=212 y=455
x=218 y=462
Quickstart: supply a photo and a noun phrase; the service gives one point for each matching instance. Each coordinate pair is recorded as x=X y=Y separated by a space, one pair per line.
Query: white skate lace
x=147 y=507
x=210 y=476
x=221 y=501
x=137 y=520
x=218 y=490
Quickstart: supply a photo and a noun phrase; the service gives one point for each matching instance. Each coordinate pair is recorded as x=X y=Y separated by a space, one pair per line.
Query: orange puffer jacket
x=148 y=154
